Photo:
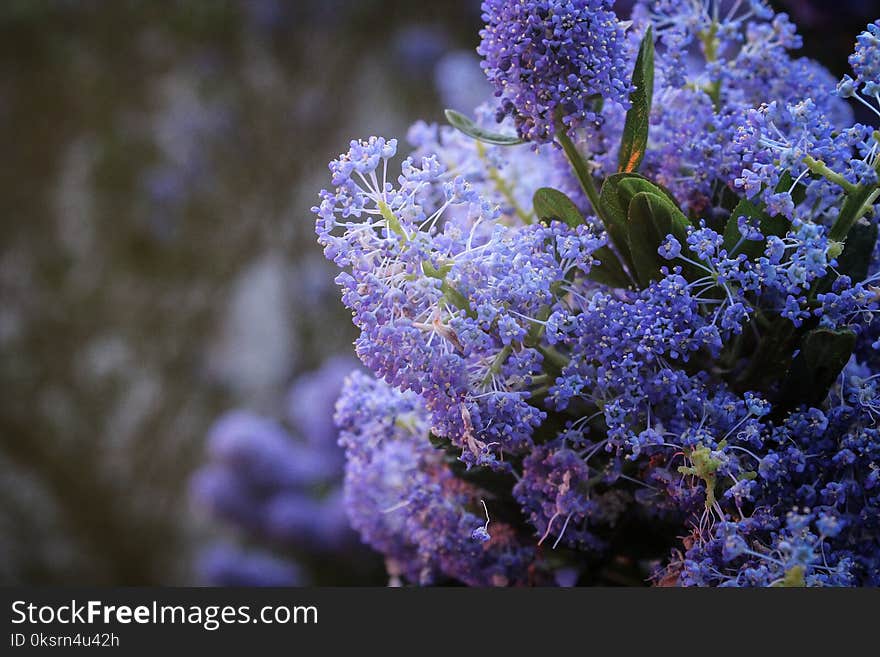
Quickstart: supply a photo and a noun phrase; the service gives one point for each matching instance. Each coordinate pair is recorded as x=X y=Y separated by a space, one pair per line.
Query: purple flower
x=549 y=58
x=515 y=375
x=226 y=565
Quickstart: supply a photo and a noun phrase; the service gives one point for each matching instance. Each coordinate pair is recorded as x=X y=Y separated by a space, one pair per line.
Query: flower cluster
x=446 y=296
x=821 y=465
x=405 y=500
x=717 y=63
x=582 y=358
x=865 y=62
x=550 y=60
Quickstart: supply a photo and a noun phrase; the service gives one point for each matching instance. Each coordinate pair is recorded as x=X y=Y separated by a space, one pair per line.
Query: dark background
x=157 y=258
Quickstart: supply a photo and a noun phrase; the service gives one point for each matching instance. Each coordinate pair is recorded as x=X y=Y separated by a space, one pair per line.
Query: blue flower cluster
x=277 y=492
x=580 y=363
x=551 y=60
x=405 y=500
x=447 y=296
x=865 y=61
x=717 y=63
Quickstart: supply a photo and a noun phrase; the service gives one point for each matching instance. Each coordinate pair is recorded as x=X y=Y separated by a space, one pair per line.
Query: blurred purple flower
x=417 y=48
x=273 y=487
x=312 y=398
x=227 y=565
x=460 y=81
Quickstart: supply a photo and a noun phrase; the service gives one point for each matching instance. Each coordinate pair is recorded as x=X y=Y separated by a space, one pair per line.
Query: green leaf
x=552 y=204
x=651 y=218
x=733 y=240
x=631 y=184
x=615 y=206
x=614 y=210
x=648 y=224
x=635 y=130
x=732 y=236
x=456 y=298
x=614 y=199
x=823 y=354
x=786 y=183
x=471 y=129
x=770 y=358
x=855 y=259
x=609 y=271
x=858 y=250
x=727 y=199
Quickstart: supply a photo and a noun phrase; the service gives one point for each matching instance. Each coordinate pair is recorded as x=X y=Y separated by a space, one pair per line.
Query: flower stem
x=391 y=220
x=497 y=364
x=820 y=168
x=860 y=198
x=847 y=218
x=502 y=185
x=553 y=356
x=710 y=42
x=581 y=169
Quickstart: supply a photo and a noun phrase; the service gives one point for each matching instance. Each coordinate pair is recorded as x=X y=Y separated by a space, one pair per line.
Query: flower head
x=550 y=59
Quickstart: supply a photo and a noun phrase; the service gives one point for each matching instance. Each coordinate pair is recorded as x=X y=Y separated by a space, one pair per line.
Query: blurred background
x=171 y=341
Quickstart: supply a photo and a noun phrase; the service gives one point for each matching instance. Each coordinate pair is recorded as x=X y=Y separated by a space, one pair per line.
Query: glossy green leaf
x=609 y=271
x=615 y=210
x=855 y=259
x=456 y=298
x=471 y=129
x=858 y=250
x=786 y=184
x=733 y=240
x=631 y=184
x=635 y=131
x=651 y=219
x=823 y=354
x=645 y=236
x=552 y=204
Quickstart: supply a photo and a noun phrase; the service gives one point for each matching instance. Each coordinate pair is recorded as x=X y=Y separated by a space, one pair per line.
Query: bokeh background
x=158 y=268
